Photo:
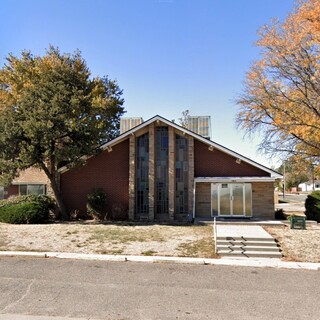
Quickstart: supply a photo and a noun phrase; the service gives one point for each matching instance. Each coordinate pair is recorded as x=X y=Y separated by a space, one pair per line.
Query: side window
x=35 y=189
x=23 y=189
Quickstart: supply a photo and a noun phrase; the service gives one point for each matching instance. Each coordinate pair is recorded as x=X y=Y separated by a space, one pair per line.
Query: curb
x=243 y=262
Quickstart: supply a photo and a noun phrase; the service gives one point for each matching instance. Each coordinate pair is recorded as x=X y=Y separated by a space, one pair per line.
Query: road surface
x=126 y=290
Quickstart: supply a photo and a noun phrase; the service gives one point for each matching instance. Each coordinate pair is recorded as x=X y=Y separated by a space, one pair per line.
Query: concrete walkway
x=242 y=231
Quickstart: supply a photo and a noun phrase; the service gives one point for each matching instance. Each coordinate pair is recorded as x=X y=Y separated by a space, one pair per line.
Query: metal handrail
x=215 y=234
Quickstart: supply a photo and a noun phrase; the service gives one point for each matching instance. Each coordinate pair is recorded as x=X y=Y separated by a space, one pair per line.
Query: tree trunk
x=62 y=209
x=56 y=191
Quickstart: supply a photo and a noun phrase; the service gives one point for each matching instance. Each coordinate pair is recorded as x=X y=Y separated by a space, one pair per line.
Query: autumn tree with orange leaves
x=281 y=97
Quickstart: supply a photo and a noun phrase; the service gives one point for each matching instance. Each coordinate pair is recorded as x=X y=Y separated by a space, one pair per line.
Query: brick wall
x=263 y=200
x=219 y=164
x=12 y=190
x=108 y=170
x=203 y=200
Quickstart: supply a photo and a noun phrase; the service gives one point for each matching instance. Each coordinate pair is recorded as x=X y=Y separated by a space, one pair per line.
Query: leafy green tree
x=52 y=112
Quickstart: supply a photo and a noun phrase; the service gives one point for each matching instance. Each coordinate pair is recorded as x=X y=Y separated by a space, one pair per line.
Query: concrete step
x=270 y=243
x=250 y=254
x=262 y=239
x=247 y=248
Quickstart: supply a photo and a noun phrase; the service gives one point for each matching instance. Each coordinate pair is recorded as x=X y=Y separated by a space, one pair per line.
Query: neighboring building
x=29 y=181
x=159 y=170
x=310 y=185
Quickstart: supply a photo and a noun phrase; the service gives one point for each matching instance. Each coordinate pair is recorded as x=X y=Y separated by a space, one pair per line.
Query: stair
x=248 y=247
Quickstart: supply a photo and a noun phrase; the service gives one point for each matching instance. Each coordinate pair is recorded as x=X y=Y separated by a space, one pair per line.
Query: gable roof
x=125 y=135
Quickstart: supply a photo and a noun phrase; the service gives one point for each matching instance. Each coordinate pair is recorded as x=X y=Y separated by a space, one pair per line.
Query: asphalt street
x=128 y=290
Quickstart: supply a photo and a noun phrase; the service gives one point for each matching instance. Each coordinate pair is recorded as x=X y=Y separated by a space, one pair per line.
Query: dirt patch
x=298 y=245
x=162 y=240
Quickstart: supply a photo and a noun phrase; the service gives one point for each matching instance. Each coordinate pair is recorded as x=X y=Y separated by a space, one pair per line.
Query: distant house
x=30 y=181
x=310 y=185
x=159 y=170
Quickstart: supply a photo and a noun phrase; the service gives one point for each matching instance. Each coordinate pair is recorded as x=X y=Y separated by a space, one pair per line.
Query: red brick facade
x=114 y=170
x=219 y=164
x=12 y=190
x=108 y=170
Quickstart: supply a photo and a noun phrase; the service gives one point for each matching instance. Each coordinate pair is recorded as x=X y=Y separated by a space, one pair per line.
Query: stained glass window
x=162 y=170
x=181 y=174
x=142 y=174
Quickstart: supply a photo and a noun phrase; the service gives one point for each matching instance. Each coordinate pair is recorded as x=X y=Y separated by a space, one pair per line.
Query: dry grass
x=163 y=240
x=298 y=245
x=148 y=240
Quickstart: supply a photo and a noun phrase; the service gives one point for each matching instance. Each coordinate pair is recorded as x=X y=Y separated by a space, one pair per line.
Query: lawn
x=145 y=239
x=127 y=239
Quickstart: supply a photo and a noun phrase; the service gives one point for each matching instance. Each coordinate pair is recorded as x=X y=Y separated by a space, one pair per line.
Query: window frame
x=32 y=184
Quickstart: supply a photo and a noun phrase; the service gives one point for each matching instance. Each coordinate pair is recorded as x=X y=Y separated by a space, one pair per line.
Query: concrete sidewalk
x=242 y=231
x=244 y=262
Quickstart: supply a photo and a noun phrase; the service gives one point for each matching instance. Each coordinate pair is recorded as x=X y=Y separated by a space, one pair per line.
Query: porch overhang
x=234 y=179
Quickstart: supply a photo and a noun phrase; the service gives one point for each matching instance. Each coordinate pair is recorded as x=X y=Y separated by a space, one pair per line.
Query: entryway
x=231 y=199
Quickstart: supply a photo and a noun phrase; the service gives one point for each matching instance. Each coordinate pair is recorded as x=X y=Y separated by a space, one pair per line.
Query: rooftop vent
x=200 y=125
x=128 y=123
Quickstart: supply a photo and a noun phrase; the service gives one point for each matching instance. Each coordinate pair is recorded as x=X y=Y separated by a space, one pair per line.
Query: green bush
x=312 y=205
x=26 y=209
x=41 y=199
x=96 y=204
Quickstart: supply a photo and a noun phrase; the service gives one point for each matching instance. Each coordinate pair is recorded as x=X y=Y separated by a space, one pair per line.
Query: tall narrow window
x=162 y=170
x=181 y=175
x=142 y=175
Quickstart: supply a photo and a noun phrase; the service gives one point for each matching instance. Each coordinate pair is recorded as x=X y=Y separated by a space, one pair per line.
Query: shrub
x=41 y=199
x=24 y=212
x=312 y=205
x=96 y=204
x=279 y=215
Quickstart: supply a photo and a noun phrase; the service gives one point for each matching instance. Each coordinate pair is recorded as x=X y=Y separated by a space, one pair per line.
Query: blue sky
x=167 y=55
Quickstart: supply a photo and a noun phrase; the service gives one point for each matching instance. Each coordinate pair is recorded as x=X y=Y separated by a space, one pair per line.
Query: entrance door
x=224 y=191
x=231 y=199
x=237 y=199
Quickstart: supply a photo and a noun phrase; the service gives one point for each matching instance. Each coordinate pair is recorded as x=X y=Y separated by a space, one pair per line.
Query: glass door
x=231 y=199
x=225 y=199
x=237 y=200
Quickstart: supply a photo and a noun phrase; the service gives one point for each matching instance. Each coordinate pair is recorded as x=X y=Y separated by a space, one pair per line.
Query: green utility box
x=297 y=222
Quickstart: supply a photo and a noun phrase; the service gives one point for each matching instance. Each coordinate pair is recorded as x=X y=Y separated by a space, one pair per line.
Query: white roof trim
x=217 y=146
x=233 y=179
